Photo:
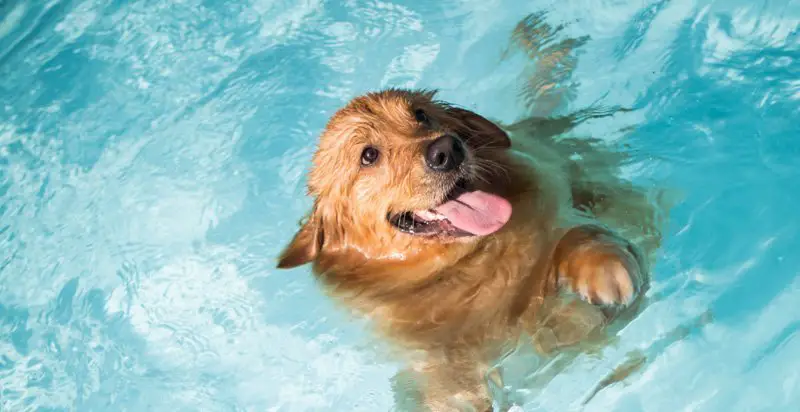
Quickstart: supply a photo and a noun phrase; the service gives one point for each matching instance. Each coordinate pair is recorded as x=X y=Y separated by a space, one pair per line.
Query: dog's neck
x=430 y=295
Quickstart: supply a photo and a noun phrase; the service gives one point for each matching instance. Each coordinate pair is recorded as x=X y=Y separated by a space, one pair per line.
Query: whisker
x=491 y=166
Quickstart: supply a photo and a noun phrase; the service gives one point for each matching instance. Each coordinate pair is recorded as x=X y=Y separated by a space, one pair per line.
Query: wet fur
x=455 y=305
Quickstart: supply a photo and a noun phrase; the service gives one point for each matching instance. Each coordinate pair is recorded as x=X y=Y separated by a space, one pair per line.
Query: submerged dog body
x=457 y=239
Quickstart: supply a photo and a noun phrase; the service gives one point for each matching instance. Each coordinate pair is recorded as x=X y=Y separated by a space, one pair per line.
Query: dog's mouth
x=464 y=212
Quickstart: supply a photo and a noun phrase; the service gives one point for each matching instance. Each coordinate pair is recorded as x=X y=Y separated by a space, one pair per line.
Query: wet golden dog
x=458 y=236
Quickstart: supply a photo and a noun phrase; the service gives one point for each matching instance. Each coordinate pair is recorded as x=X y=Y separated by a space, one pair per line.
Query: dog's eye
x=369 y=156
x=420 y=115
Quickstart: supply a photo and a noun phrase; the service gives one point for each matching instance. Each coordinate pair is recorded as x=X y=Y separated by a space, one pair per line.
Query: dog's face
x=396 y=172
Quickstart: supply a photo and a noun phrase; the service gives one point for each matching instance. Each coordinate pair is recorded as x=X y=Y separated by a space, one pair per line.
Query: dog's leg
x=598 y=265
x=443 y=385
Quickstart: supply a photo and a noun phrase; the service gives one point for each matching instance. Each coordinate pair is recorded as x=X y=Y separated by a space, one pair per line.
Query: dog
x=458 y=235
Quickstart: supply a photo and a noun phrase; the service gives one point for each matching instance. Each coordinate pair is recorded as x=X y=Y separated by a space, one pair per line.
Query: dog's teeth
x=428 y=215
x=435 y=213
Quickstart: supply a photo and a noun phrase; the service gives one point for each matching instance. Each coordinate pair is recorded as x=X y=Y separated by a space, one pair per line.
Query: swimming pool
x=152 y=159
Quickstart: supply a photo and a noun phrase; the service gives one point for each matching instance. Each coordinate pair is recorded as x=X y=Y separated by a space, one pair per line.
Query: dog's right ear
x=304 y=247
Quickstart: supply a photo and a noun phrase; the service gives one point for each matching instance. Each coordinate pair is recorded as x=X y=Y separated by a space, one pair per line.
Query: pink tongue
x=477 y=212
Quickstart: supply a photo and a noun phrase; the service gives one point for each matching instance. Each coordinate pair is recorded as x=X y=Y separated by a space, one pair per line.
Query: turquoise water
x=152 y=159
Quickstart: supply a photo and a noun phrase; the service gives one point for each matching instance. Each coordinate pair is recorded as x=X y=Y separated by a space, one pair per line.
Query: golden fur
x=456 y=303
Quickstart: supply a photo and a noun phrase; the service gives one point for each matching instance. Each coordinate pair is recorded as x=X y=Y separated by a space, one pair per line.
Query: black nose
x=445 y=154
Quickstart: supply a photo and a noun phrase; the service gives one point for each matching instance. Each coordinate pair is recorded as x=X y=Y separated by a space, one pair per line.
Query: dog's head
x=397 y=172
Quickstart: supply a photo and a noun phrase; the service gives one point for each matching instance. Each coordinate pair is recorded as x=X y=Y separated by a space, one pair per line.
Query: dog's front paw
x=601 y=273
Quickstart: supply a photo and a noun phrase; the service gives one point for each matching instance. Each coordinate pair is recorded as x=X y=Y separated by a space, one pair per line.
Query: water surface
x=152 y=165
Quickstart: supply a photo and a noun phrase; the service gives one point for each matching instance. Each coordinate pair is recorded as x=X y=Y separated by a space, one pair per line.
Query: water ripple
x=153 y=158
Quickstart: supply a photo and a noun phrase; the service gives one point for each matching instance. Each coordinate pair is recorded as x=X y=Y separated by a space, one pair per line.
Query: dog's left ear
x=304 y=247
x=480 y=130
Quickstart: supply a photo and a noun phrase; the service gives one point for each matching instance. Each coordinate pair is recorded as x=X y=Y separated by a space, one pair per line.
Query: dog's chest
x=473 y=301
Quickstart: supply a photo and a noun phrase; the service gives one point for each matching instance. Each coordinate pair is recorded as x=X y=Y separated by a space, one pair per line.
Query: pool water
x=152 y=165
